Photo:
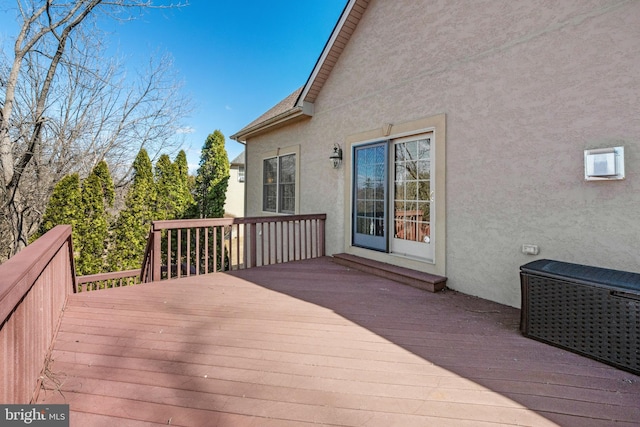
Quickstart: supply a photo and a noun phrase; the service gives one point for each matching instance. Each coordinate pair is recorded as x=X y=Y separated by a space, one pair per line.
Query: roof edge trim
x=306 y=109
x=325 y=52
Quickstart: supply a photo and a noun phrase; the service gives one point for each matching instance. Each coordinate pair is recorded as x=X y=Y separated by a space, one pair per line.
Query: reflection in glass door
x=412 y=198
x=370 y=196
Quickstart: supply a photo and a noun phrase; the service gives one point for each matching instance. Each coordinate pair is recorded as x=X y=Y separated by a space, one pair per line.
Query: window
x=241 y=173
x=279 y=184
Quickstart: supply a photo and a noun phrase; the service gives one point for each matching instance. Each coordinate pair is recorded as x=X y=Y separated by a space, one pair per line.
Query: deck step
x=417 y=279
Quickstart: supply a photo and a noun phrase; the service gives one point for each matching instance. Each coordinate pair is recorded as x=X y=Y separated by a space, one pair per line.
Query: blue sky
x=237 y=58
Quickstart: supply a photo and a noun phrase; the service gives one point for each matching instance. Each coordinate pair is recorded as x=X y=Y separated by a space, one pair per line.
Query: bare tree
x=66 y=107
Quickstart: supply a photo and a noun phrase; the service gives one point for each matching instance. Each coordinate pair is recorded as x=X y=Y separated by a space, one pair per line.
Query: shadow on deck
x=312 y=342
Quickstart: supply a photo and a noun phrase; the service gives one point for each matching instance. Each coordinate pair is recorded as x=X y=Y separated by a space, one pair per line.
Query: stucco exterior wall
x=234 y=202
x=526 y=87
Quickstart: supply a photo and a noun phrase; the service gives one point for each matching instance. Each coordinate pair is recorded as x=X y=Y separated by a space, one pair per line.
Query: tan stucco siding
x=320 y=186
x=526 y=86
x=234 y=203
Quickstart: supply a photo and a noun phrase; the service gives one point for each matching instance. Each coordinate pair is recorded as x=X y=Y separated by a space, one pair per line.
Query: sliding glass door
x=398 y=220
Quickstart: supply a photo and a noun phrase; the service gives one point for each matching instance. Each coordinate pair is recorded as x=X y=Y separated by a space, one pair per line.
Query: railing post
x=156 y=257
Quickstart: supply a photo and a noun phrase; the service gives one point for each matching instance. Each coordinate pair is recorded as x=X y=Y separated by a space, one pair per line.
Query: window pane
x=287 y=198
x=288 y=169
x=411 y=150
x=269 y=198
x=424 y=148
x=270 y=167
x=287 y=184
x=269 y=184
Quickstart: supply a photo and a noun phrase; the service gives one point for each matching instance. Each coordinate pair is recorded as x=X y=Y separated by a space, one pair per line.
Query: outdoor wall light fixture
x=336 y=156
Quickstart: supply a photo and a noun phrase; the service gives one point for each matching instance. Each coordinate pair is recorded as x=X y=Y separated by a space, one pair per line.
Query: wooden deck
x=312 y=342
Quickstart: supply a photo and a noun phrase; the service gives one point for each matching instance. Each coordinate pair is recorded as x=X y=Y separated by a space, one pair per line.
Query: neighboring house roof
x=239 y=160
x=299 y=104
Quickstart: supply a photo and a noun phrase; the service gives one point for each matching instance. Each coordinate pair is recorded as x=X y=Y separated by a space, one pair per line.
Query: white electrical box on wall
x=604 y=164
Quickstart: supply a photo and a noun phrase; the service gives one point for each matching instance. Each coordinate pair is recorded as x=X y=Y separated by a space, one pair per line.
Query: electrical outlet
x=530 y=249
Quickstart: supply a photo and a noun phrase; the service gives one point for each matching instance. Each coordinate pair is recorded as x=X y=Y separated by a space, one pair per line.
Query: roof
x=238 y=160
x=299 y=104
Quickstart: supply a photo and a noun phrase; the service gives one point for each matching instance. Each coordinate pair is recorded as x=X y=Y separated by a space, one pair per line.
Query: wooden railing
x=34 y=285
x=93 y=282
x=179 y=248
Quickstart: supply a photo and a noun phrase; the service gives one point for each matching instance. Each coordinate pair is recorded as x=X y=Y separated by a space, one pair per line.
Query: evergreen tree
x=186 y=183
x=168 y=189
x=101 y=170
x=134 y=222
x=212 y=180
x=64 y=206
x=213 y=177
x=93 y=227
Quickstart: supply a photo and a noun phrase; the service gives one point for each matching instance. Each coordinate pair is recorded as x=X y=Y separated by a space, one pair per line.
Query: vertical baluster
x=178 y=252
x=206 y=250
x=226 y=256
x=317 y=234
x=259 y=244
x=187 y=253
x=295 y=240
x=299 y=241
x=285 y=241
x=321 y=231
x=279 y=244
x=291 y=237
x=168 y=254
x=310 y=238
x=273 y=243
x=236 y=227
x=305 y=238
x=263 y=238
x=223 y=244
x=197 y=257
x=291 y=225
x=302 y=238
x=273 y=255
x=215 y=249
x=252 y=245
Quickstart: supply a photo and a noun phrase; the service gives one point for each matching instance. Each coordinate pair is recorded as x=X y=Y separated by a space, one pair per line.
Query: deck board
x=312 y=342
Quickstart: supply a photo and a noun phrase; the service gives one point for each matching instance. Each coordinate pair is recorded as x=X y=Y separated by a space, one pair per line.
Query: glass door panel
x=370 y=196
x=412 y=198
